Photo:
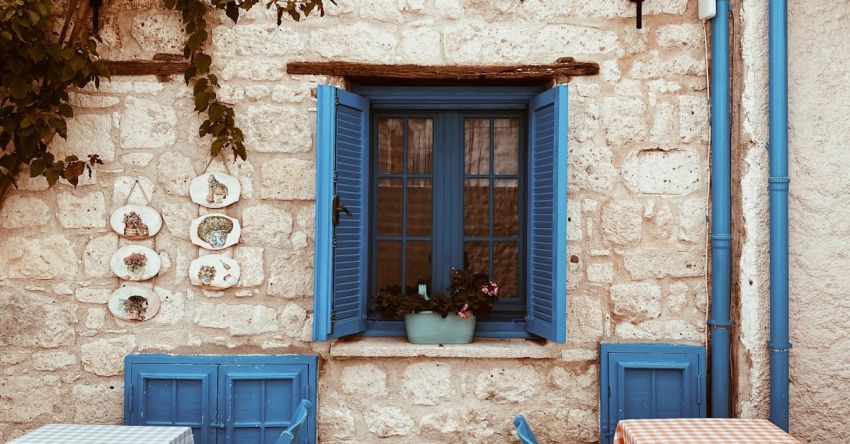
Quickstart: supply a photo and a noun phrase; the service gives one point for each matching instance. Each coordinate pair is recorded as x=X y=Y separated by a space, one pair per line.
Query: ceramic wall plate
x=133 y=303
x=215 y=190
x=135 y=263
x=215 y=231
x=136 y=221
x=214 y=272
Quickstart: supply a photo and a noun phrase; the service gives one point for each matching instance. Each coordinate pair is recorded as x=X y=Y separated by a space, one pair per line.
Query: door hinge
x=333 y=315
x=333 y=242
x=336 y=176
x=336 y=100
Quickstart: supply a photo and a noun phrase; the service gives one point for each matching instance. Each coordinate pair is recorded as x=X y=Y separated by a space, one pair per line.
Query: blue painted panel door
x=341 y=236
x=259 y=401
x=174 y=395
x=547 y=215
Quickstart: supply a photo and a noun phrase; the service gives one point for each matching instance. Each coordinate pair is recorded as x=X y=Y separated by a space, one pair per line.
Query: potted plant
x=442 y=319
x=136 y=263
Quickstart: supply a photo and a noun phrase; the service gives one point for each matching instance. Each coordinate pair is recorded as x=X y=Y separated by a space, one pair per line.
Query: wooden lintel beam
x=162 y=65
x=564 y=67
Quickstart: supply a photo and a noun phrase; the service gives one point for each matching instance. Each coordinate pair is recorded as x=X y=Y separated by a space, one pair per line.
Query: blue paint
x=523 y=431
x=547 y=215
x=639 y=381
x=721 y=212
x=447 y=98
x=779 y=344
x=293 y=434
x=233 y=398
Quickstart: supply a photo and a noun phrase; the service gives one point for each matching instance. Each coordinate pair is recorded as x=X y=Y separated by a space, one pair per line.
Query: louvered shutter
x=173 y=395
x=341 y=261
x=547 y=215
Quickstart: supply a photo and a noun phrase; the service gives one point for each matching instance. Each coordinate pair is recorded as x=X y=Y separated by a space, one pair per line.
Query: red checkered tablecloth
x=700 y=431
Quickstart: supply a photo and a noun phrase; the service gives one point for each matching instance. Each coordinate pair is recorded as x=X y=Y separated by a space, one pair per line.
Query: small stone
x=636 y=301
x=337 y=423
x=18 y=403
x=288 y=132
x=677 y=297
x=664 y=126
x=600 y=272
x=239 y=320
x=21 y=211
x=421 y=45
x=586 y=320
x=663 y=172
x=502 y=385
x=692 y=222
x=685 y=35
x=105 y=357
x=364 y=380
x=50 y=361
x=253 y=69
x=178 y=216
x=292 y=320
x=98 y=402
x=291 y=276
x=91 y=101
x=360 y=41
x=592 y=168
x=662 y=223
x=62 y=288
x=390 y=421
x=125 y=190
x=95 y=318
x=175 y=173
x=93 y=295
x=426 y=383
x=251 y=264
x=622 y=221
x=694 y=119
x=380 y=10
x=147 y=124
x=255 y=40
x=88 y=211
x=98 y=253
x=624 y=120
x=266 y=225
x=158 y=32
x=579 y=355
x=45 y=257
x=172 y=307
x=288 y=179
x=660 y=330
x=137 y=159
x=658 y=263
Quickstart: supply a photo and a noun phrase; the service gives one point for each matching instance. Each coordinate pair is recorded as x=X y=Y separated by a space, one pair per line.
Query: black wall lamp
x=639 y=14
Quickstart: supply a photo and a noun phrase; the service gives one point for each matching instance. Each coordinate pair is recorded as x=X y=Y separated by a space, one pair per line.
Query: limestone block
x=663 y=222
x=98 y=402
x=291 y=93
x=159 y=31
x=692 y=223
x=98 y=253
x=586 y=322
x=266 y=224
x=663 y=172
x=361 y=41
x=126 y=191
x=657 y=263
x=50 y=361
x=30 y=321
x=292 y=319
x=91 y=101
x=624 y=120
x=421 y=46
x=636 y=301
x=664 y=124
x=251 y=262
x=694 y=121
x=175 y=173
x=291 y=275
x=609 y=70
x=600 y=272
x=95 y=318
x=622 y=221
x=178 y=216
x=381 y=10
x=172 y=308
x=427 y=382
x=93 y=295
x=591 y=168
x=47 y=257
x=448 y=9
x=584 y=118
x=87 y=211
x=659 y=330
x=105 y=357
x=21 y=212
x=578 y=355
x=288 y=179
x=508 y=385
x=238 y=320
x=87 y=134
x=254 y=69
x=262 y=39
x=688 y=35
x=364 y=380
x=390 y=421
x=288 y=132
x=18 y=403
x=580 y=388
x=336 y=423
x=678 y=296
x=147 y=124
x=652 y=65
x=575 y=268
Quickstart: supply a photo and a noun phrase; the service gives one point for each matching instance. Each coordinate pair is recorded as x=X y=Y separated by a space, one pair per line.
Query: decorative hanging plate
x=214 y=272
x=135 y=263
x=133 y=303
x=215 y=190
x=215 y=231
x=136 y=222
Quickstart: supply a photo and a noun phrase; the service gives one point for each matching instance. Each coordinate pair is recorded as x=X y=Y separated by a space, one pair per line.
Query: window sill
x=398 y=347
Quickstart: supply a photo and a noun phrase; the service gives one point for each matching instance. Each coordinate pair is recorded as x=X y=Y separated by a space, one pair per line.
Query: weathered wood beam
x=564 y=67
x=162 y=65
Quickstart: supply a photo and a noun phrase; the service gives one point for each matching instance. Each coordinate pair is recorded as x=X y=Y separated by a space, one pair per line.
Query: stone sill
x=398 y=347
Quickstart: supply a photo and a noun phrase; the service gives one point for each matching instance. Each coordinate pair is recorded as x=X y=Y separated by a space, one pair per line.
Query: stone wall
x=636 y=240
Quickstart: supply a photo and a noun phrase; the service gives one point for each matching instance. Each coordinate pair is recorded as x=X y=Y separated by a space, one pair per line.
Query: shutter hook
x=339 y=208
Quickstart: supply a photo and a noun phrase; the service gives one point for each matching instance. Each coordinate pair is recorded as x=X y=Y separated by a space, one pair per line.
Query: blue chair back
x=523 y=430
x=292 y=435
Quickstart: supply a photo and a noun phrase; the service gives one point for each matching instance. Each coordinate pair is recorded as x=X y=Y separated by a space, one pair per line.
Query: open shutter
x=173 y=395
x=547 y=215
x=342 y=208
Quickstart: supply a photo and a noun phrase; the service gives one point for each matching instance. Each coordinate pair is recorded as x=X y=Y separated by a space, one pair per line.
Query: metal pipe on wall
x=778 y=181
x=721 y=212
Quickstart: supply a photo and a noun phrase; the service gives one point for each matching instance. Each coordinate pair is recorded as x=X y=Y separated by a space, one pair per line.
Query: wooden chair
x=523 y=431
x=292 y=435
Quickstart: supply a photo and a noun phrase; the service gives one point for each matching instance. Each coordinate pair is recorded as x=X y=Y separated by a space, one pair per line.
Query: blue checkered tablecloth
x=105 y=434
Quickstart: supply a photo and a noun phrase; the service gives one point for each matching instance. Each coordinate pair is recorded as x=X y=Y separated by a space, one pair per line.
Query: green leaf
x=203 y=62
x=65 y=110
x=74 y=170
x=52 y=177
x=232 y=11
x=202 y=100
x=19 y=87
x=216 y=111
x=37 y=167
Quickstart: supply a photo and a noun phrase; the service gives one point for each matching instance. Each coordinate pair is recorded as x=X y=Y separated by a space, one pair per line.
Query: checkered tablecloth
x=105 y=434
x=700 y=431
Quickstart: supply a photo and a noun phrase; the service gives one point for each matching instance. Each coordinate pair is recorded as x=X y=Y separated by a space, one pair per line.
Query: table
x=700 y=431
x=105 y=434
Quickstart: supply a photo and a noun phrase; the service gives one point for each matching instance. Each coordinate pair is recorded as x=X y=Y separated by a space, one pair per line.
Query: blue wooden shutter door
x=547 y=215
x=259 y=402
x=342 y=151
x=174 y=395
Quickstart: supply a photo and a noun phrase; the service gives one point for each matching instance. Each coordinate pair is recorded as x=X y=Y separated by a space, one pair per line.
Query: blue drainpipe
x=721 y=212
x=779 y=344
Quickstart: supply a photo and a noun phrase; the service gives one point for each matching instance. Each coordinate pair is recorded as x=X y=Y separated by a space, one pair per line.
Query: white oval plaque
x=214 y=272
x=132 y=303
x=215 y=231
x=135 y=263
x=215 y=190
x=136 y=222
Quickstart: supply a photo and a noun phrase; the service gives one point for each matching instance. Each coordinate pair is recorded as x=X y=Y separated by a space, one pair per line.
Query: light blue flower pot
x=432 y=328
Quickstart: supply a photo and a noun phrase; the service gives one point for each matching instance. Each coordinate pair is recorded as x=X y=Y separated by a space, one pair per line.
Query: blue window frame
x=349 y=249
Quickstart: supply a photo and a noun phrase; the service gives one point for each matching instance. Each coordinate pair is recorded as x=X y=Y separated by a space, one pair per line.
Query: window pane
x=476 y=146
x=389 y=207
x=505 y=265
x=476 y=207
x=391 y=145
x=419 y=207
x=420 y=144
x=418 y=266
x=389 y=264
x=476 y=257
x=506 y=208
x=506 y=146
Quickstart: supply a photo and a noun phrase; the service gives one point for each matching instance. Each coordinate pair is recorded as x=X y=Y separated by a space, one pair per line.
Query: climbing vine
x=220 y=121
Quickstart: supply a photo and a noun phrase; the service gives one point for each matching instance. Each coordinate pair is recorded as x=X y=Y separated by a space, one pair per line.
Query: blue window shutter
x=547 y=215
x=640 y=381
x=173 y=395
x=342 y=151
x=259 y=402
